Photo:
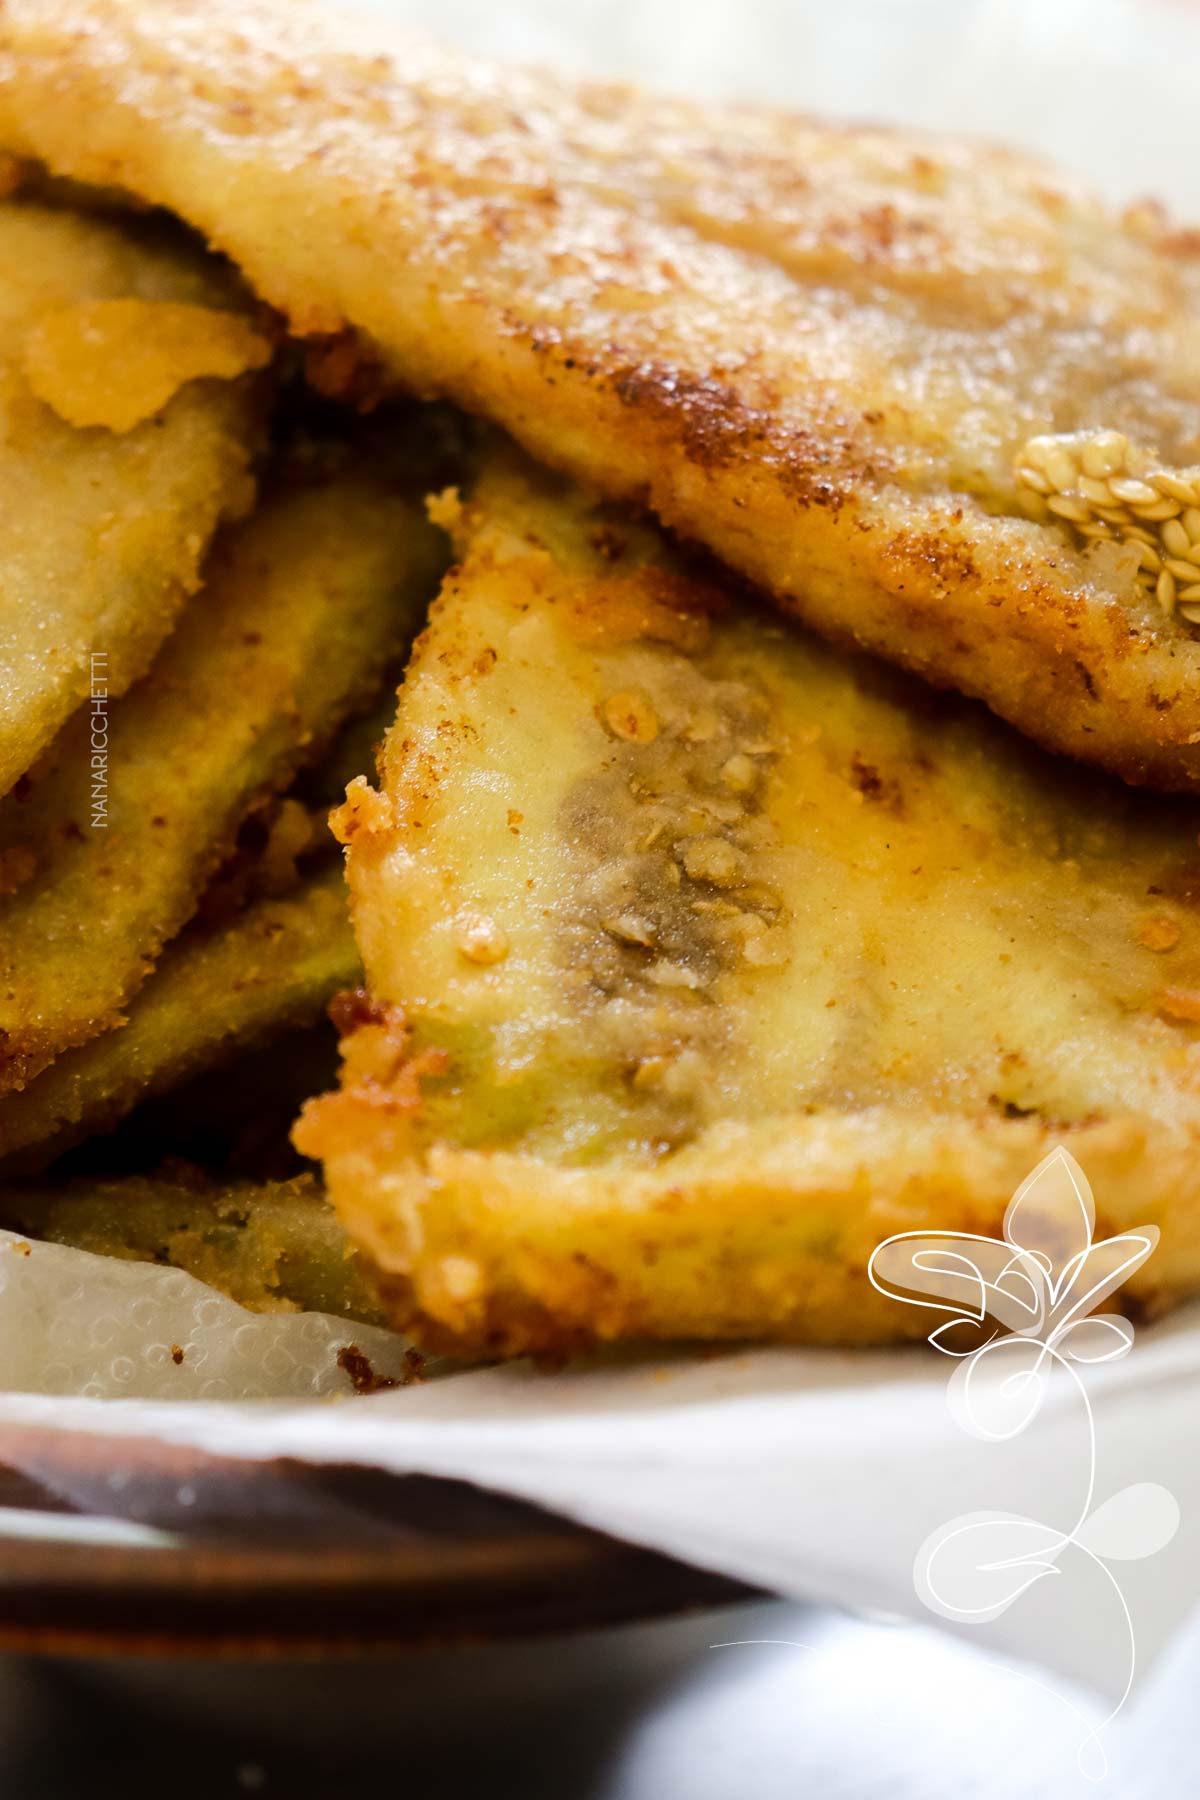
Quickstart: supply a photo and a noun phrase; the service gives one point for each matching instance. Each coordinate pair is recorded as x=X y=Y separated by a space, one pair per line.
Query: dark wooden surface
x=280 y=1558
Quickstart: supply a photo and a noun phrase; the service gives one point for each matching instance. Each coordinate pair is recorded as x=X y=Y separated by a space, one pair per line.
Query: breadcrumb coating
x=701 y=958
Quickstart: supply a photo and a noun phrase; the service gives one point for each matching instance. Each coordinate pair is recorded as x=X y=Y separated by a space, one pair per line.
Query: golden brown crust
x=102 y=532
x=815 y=349
x=273 y=1246
x=216 y=993
x=702 y=958
x=305 y=604
x=764 y=1234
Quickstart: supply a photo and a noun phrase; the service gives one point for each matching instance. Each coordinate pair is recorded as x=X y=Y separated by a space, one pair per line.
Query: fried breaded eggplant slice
x=702 y=957
x=818 y=350
x=271 y=1246
x=215 y=993
x=303 y=606
x=116 y=459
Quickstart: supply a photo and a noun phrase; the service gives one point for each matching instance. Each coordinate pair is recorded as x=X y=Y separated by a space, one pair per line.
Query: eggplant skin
x=273 y=1246
x=217 y=992
x=815 y=349
x=701 y=957
x=305 y=605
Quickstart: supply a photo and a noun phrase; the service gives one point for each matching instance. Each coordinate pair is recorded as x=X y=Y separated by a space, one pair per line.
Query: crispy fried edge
x=214 y=994
x=130 y=631
x=320 y=698
x=271 y=1246
x=752 y=1233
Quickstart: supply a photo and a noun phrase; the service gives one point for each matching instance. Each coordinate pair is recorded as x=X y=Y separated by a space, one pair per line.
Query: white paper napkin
x=818 y=1474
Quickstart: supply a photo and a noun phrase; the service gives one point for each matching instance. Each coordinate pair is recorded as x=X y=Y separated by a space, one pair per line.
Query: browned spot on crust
x=712 y=422
x=945 y=563
x=356 y=1007
x=363 y=1378
x=1180 y=1003
x=882 y=790
x=1158 y=932
x=716 y=430
x=659 y=604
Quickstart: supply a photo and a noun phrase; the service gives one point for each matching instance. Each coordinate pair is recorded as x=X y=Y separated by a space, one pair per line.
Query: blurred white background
x=1109 y=88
